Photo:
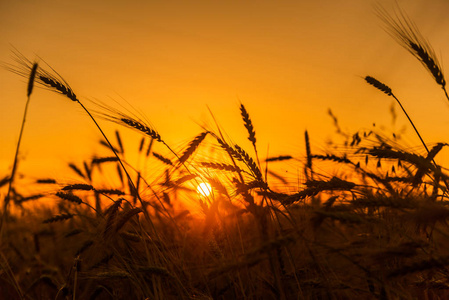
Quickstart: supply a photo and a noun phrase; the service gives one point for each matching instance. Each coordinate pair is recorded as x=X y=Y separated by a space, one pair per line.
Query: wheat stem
x=411 y=122
x=14 y=167
x=387 y=90
x=445 y=93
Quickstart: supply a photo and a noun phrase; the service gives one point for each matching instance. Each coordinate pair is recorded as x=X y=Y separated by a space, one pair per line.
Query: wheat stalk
x=220 y=166
x=60 y=87
x=69 y=197
x=78 y=186
x=45 y=181
x=243 y=156
x=110 y=192
x=193 y=145
x=111 y=214
x=379 y=85
x=387 y=90
x=31 y=79
x=134 y=124
x=248 y=125
x=142 y=142
x=313 y=188
x=407 y=34
x=30 y=198
x=77 y=170
x=279 y=158
x=125 y=217
x=57 y=218
x=5 y=180
x=163 y=159
x=100 y=160
x=232 y=155
x=308 y=155
x=119 y=141
x=250 y=129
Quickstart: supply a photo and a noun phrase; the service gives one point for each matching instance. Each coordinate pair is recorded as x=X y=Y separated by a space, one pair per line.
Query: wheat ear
x=193 y=145
x=309 y=154
x=248 y=125
x=407 y=34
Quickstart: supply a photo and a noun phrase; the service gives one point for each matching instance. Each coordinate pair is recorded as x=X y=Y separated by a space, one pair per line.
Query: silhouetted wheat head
x=407 y=34
x=50 y=80
x=129 y=120
x=379 y=85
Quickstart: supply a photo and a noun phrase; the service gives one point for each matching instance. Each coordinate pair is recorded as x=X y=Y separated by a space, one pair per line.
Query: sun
x=204 y=189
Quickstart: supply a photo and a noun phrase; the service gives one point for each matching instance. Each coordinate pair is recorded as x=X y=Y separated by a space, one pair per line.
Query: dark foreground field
x=376 y=230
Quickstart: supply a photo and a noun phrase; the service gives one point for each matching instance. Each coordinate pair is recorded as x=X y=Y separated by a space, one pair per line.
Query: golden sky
x=287 y=61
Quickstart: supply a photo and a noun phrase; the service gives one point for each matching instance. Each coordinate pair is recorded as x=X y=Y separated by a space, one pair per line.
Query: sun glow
x=204 y=189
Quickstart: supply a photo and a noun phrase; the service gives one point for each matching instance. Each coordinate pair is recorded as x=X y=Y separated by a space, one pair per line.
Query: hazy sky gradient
x=287 y=61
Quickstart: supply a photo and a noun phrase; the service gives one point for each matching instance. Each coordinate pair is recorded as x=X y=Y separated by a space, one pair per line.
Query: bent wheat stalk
x=387 y=90
x=407 y=34
x=54 y=82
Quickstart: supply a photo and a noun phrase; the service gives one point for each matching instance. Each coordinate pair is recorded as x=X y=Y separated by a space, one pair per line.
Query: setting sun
x=204 y=189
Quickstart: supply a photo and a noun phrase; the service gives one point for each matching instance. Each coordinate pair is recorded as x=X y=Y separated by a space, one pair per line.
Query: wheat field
x=216 y=220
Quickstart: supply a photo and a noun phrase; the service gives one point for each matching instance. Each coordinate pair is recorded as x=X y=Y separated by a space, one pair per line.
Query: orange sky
x=287 y=61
